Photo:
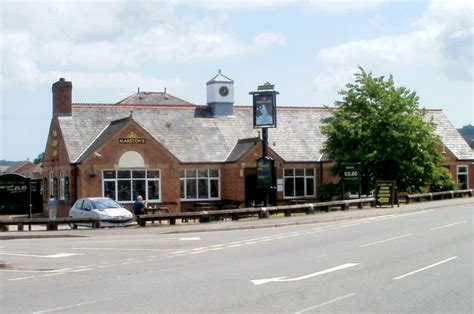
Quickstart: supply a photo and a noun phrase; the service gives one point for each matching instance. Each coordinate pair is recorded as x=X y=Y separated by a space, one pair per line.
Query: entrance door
x=254 y=196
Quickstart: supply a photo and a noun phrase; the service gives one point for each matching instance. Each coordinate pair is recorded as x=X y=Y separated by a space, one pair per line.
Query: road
x=416 y=262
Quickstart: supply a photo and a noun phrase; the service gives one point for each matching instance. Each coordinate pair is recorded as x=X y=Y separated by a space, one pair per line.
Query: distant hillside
x=467 y=132
x=5 y=162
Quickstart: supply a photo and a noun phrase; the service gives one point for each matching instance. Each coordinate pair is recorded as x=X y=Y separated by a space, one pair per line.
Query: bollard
x=310 y=210
x=263 y=213
x=204 y=217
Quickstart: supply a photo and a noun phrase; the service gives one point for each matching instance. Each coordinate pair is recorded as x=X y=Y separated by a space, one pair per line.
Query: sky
x=309 y=49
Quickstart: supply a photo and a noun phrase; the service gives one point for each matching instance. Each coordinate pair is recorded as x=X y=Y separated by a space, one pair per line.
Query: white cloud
x=345 y=5
x=453 y=24
x=443 y=37
x=233 y=5
x=88 y=37
x=269 y=38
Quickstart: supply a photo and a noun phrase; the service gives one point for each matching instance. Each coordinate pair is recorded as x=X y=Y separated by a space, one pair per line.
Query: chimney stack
x=62 y=98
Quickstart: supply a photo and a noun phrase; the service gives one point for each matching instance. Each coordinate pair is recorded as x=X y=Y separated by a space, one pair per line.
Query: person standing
x=52 y=207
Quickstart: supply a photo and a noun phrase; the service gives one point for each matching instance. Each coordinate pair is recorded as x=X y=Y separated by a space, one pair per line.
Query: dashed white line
x=326 y=303
x=80 y=270
x=450 y=225
x=190 y=239
x=21 y=278
x=55 y=274
x=386 y=240
x=65 y=307
x=58 y=255
x=425 y=268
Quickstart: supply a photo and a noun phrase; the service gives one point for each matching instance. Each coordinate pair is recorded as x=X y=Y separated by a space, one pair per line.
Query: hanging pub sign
x=264 y=106
x=265 y=167
x=385 y=193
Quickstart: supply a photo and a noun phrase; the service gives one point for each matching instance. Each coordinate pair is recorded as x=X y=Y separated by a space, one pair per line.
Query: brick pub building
x=177 y=154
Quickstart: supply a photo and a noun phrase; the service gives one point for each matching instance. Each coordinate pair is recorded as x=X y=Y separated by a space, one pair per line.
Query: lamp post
x=264 y=117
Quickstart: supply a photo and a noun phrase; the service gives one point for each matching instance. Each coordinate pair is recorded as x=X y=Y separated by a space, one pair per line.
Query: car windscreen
x=104 y=203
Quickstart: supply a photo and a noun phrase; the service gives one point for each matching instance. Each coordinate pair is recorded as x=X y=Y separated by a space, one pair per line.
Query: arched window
x=132 y=179
x=131 y=159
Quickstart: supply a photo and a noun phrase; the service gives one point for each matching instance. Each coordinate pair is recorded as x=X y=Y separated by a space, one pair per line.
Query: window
x=66 y=188
x=199 y=184
x=463 y=180
x=299 y=183
x=46 y=189
x=125 y=185
x=51 y=183
x=61 y=184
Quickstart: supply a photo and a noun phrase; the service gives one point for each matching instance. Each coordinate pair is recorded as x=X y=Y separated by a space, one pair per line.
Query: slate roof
x=191 y=134
x=153 y=98
x=241 y=148
x=451 y=137
x=110 y=130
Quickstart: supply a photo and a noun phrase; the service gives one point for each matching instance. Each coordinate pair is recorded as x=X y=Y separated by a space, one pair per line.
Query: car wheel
x=73 y=226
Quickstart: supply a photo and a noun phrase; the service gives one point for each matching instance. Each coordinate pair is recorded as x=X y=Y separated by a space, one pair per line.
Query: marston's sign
x=131 y=138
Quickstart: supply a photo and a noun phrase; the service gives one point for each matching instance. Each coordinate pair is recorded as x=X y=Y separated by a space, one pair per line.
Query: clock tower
x=220 y=95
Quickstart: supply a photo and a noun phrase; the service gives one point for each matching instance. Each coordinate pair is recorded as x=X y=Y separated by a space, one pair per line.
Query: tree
x=467 y=132
x=39 y=158
x=382 y=127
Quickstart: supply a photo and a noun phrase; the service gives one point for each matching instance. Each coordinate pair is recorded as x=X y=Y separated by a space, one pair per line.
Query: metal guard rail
x=262 y=212
x=438 y=195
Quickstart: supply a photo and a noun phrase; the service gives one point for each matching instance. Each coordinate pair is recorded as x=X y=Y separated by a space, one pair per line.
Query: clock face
x=224 y=91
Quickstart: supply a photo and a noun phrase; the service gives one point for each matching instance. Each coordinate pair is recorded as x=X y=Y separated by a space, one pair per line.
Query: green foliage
x=39 y=159
x=467 y=132
x=381 y=126
x=329 y=190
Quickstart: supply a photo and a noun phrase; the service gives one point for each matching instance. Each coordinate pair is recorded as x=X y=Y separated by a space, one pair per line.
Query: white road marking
x=446 y=226
x=55 y=274
x=326 y=303
x=190 y=239
x=416 y=213
x=21 y=278
x=386 y=240
x=65 y=307
x=35 y=271
x=425 y=268
x=80 y=270
x=319 y=273
x=322 y=255
x=117 y=249
x=58 y=255
x=185 y=252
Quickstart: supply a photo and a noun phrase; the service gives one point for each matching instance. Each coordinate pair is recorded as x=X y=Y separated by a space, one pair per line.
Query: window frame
x=51 y=183
x=463 y=173
x=131 y=179
x=61 y=185
x=208 y=179
x=294 y=178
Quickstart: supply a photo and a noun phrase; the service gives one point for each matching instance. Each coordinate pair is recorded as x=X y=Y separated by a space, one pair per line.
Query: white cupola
x=220 y=95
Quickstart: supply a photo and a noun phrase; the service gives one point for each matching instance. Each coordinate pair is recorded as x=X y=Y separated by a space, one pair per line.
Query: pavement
x=227 y=225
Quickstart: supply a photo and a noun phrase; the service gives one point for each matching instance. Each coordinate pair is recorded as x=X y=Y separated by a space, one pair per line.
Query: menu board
x=385 y=193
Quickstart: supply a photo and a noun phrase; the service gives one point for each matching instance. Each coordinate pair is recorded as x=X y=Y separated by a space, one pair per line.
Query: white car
x=109 y=212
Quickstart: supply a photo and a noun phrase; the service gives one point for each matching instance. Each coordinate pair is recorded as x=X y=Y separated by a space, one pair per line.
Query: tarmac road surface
x=414 y=259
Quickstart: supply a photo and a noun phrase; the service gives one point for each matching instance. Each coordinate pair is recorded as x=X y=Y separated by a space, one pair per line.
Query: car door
x=87 y=209
x=76 y=210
